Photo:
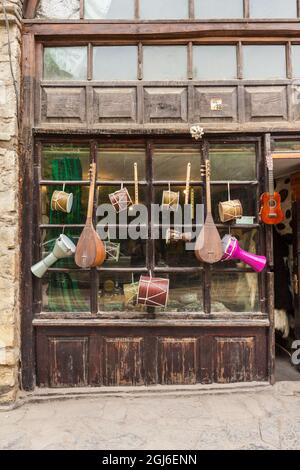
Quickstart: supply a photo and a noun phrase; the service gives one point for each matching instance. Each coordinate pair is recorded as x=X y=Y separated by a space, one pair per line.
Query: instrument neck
x=136 y=184
x=187 y=186
x=91 y=198
x=271 y=182
x=208 y=194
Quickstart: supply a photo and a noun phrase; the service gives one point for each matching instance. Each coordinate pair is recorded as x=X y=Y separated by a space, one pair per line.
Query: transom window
x=171 y=62
x=166 y=9
x=67 y=289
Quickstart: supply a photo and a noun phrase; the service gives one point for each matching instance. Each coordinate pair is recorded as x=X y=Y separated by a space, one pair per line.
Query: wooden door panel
x=123 y=361
x=177 y=361
x=72 y=356
x=68 y=362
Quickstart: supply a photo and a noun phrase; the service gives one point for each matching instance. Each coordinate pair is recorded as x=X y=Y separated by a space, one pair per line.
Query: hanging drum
x=170 y=200
x=120 y=200
x=130 y=293
x=62 y=201
x=230 y=210
x=112 y=251
x=153 y=292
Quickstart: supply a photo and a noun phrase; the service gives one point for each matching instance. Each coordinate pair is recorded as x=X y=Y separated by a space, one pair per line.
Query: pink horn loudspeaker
x=232 y=250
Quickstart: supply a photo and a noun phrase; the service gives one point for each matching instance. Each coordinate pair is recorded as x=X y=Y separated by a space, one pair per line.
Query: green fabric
x=64 y=294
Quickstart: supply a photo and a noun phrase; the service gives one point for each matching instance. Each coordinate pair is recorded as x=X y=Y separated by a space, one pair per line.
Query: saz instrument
x=90 y=250
x=208 y=247
x=271 y=212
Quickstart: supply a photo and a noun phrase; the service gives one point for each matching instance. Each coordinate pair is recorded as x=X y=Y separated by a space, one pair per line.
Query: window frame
x=151 y=266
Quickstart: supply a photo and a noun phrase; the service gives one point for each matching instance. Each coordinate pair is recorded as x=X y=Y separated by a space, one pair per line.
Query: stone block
x=7 y=376
x=7 y=336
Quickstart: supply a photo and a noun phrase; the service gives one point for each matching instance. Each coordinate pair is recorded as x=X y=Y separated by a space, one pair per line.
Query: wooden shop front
x=119 y=92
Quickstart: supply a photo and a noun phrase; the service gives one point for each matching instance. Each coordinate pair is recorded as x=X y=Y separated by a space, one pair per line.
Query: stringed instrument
x=271 y=212
x=208 y=248
x=90 y=250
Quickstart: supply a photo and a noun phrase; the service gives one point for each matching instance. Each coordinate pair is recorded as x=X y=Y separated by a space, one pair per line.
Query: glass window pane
x=233 y=162
x=79 y=206
x=65 y=162
x=273 y=8
x=125 y=253
x=245 y=193
x=65 y=63
x=163 y=10
x=116 y=163
x=117 y=292
x=165 y=62
x=185 y=294
x=109 y=9
x=66 y=292
x=296 y=61
x=170 y=162
x=235 y=292
x=214 y=62
x=264 y=62
x=115 y=63
x=210 y=9
x=287 y=146
x=60 y=9
x=173 y=254
x=48 y=240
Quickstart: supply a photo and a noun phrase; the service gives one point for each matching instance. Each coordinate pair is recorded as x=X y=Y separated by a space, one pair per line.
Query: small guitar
x=208 y=247
x=271 y=212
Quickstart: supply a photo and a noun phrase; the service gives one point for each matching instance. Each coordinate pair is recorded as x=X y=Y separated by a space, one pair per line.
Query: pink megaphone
x=232 y=250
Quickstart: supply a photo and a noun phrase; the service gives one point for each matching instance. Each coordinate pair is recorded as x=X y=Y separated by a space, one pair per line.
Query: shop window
x=109 y=9
x=111 y=288
x=214 y=62
x=115 y=63
x=167 y=9
x=65 y=63
x=165 y=62
x=211 y=9
x=264 y=62
x=59 y=9
x=296 y=61
x=273 y=8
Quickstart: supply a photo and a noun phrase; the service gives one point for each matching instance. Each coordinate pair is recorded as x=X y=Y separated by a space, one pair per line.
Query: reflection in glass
x=165 y=62
x=132 y=253
x=214 y=62
x=65 y=63
x=237 y=292
x=117 y=292
x=66 y=292
x=273 y=8
x=164 y=10
x=170 y=163
x=60 y=9
x=109 y=9
x=186 y=293
x=115 y=63
x=210 y=9
x=233 y=162
x=264 y=62
x=116 y=163
x=287 y=146
x=174 y=254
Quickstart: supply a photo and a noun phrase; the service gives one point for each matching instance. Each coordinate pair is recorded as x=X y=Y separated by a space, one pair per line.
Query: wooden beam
x=29 y=8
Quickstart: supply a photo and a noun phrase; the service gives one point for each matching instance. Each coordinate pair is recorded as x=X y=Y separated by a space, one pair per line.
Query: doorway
x=286 y=250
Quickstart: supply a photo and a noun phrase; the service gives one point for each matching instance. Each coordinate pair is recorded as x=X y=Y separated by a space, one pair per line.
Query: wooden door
x=296 y=265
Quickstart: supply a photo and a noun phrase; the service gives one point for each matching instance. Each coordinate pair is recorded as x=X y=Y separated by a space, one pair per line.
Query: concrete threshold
x=154 y=391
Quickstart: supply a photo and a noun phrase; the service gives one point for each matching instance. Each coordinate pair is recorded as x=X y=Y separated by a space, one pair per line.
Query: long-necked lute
x=208 y=247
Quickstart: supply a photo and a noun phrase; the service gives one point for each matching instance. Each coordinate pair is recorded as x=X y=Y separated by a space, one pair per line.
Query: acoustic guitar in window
x=271 y=212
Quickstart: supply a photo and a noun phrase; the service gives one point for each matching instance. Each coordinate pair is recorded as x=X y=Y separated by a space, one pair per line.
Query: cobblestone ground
x=265 y=419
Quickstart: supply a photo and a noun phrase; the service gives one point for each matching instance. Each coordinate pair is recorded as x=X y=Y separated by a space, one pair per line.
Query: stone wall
x=9 y=228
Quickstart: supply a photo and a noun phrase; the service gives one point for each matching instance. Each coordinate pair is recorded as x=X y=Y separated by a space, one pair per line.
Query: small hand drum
x=153 y=292
x=121 y=200
x=230 y=210
x=62 y=201
x=170 y=200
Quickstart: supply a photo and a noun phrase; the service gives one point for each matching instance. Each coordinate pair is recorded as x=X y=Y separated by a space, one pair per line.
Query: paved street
x=258 y=419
